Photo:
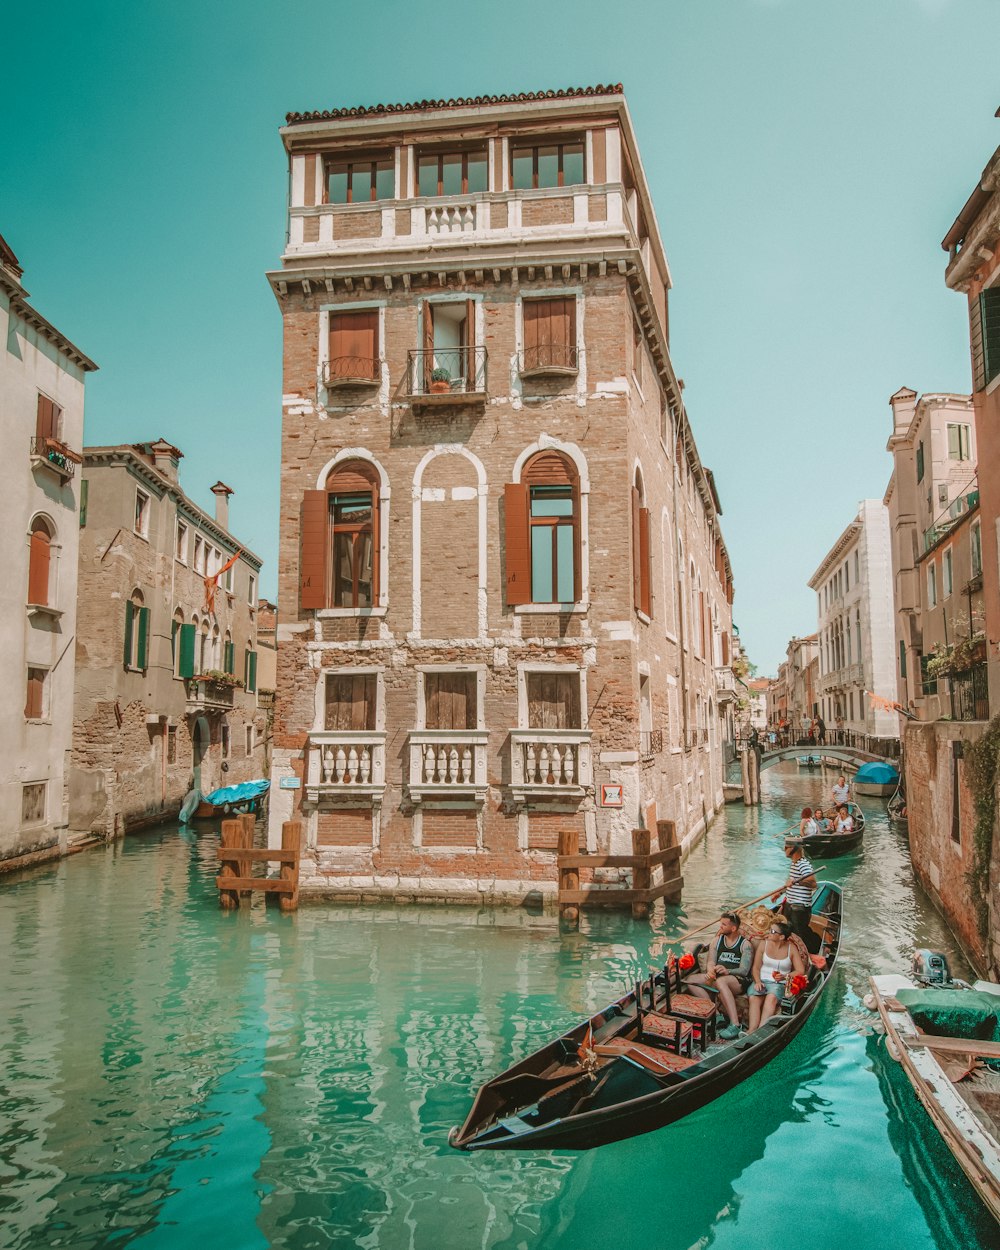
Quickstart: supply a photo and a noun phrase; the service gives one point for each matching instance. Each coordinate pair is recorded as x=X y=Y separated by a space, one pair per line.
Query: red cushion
x=692 y=1005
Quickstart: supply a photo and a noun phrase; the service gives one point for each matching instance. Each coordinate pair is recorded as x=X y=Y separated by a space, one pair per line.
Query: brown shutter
x=470 y=368
x=544 y=330
x=33 y=699
x=38 y=567
x=340 y=341
x=376 y=544
x=646 y=593
x=516 y=543
x=636 y=562
x=313 y=559
x=309 y=190
x=428 y=313
x=366 y=338
x=529 y=315
x=45 y=418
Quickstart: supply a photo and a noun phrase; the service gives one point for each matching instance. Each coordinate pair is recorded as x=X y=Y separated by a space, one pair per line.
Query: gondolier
x=798 y=893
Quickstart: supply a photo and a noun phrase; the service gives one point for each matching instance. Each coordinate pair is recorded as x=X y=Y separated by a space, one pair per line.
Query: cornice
x=846 y=539
x=20 y=306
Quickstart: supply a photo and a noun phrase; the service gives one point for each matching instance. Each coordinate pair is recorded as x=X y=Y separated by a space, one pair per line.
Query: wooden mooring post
x=643 y=861
x=237 y=855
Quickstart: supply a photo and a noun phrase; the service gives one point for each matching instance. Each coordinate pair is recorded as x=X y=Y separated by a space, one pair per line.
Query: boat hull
x=873 y=790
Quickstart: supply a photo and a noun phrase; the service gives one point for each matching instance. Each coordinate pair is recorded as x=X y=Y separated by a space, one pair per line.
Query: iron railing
x=970 y=698
x=546 y=358
x=351 y=371
x=54 y=453
x=459 y=371
x=650 y=743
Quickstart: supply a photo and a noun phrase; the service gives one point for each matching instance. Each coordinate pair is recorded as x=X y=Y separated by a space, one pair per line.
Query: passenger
x=822 y=822
x=729 y=960
x=776 y=960
x=807 y=825
x=845 y=821
x=798 y=891
x=841 y=792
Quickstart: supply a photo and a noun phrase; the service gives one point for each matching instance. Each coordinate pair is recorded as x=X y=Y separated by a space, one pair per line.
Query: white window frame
x=480 y=673
x=252 y=590
x=140 y=518
x=932 y=596
x=44 y=717
x=522 y=689
x=250 y=738
x=34 y=824
x=182 y=541
x=947 y=573
x=349 y=670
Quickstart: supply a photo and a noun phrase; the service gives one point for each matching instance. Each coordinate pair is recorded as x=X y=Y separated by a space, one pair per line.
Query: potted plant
x=440 y=381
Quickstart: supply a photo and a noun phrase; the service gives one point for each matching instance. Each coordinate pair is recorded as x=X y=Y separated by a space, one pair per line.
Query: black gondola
x=622 y=1073
x=829 y=845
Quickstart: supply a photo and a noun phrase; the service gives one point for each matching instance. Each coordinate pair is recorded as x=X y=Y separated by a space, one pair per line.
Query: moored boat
x=928 y=1031
x=645 y=1061
x=233 y=800
x=827 y=845
x=876 y=779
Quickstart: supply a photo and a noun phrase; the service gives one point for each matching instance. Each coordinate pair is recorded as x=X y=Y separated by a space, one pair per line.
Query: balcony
x=970 y=694
x=549 y=360
x=650 y=744
x=725 y=684
x=51 y=454
x=345 y=764
x=550 y=763
x=208 y=696
x=342 y=372
x=448 y=764
x=453 y=218
x=448 y=377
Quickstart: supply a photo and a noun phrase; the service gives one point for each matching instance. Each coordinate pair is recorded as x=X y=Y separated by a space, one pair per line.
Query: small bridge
x=850 y=755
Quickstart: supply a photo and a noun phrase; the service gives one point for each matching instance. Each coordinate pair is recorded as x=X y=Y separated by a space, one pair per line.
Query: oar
x=738 y=908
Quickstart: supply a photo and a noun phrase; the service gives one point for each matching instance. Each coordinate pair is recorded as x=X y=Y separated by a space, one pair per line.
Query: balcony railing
x=944 y=524
x=54 y=455
x=725 y=684
x=970 y=695
x=549 y=360
x=453 y=218
x=345 y=764
x=209 y=696
x=446 y=376
x=342 y=371
x=550 y=763
x=650 y=743
x=448 y=763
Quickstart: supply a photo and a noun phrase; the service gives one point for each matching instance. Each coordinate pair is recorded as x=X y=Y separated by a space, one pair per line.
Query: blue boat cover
x=238 y=794
x=877 y=774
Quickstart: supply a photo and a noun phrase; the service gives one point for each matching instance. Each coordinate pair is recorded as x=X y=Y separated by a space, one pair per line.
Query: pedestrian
x=839 y=723
x=798 y=891
x=821 y=730
x=841 y=791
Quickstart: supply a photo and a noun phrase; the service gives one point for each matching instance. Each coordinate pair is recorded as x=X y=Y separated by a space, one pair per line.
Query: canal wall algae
x=175 y=1073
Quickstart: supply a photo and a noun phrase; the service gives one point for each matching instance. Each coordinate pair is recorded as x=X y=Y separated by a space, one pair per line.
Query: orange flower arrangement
x=686 y=962
x=797 y=984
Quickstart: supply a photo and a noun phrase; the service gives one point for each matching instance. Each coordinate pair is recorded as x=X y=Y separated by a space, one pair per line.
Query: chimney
x=222 y=492
x=904 y=405
x=166 y=458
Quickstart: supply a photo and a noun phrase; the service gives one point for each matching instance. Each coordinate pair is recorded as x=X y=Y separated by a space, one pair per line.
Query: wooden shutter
x=553 y=700
x=39 y=555
x=229 y=657
x=33 y=698
x=341 y=336
x=185 y=665
x=990 y=305
x=46 y=417
x=314 y=556
x=350 y=702
x=366 y=339
x=428 y=343
x=127 y=652
x=143 y=640
x=645 y=588
x=516 y=543
x=450 y=700
x=636 y=562
x=252 y=671
x=529 y=320
x=309 y=187
x=84 y=492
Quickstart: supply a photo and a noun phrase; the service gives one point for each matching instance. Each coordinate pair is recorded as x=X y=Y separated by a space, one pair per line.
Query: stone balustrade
x=448 y=763
x=345 y=764
x=550 y=762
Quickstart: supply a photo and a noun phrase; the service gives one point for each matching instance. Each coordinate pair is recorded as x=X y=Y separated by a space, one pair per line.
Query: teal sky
x=806 y=158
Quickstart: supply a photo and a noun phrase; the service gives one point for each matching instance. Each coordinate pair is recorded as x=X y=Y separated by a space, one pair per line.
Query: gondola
x=233 y=800
x=622 y=1072
x=826 y=845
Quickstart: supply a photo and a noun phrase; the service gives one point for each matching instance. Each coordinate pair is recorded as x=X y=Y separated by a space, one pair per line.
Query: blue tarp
x=877 y=774
x=238 y=794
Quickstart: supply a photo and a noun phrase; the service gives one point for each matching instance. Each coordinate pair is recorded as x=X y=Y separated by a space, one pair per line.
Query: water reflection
x=174 y=1072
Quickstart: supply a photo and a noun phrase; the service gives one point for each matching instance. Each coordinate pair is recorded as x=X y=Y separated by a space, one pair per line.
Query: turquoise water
x=172 y=1073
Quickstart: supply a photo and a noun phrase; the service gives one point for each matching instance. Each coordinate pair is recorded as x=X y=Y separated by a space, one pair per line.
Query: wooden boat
x=825 y=845
x=809 y=761
x=622 y=1072
x=966 y=1111
x=233 y=800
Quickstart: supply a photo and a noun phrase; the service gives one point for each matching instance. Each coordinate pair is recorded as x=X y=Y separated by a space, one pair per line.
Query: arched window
x=543 y=531
x=228 y=654
x=39 y=563
x=641 y=580
x=216 y=658
x=136 y=632
x=340 y=539
x=204 y=652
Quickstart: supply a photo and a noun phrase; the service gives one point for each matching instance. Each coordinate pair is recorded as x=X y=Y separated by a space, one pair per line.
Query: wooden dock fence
x=237 y=855
x=642 y=861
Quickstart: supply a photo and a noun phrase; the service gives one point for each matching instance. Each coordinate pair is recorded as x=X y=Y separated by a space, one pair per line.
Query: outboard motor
x=931 y=968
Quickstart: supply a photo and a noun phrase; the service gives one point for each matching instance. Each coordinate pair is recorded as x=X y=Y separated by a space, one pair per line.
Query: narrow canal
x=173 y=1075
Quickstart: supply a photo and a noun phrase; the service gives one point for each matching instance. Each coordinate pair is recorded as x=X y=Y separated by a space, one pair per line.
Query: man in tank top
x=728 y=971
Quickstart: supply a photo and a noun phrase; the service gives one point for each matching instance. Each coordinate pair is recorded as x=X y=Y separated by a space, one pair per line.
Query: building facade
x=504 y=596
x=42 y=377
x=166 y=651
x=856 y=629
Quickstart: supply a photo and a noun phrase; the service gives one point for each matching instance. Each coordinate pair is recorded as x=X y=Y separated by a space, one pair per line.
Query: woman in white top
x=841 y=792
x=807 y=825
x=775 y=960
x=845 y=821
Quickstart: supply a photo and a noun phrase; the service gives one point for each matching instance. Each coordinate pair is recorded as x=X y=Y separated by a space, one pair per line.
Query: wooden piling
x=291 y=840
x=745 y=774
x=569 y=878
x=248 y=826
x=672 y=882
x=231 y=833
x=641 y=848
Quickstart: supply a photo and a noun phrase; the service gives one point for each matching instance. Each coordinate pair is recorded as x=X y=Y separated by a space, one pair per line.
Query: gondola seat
x=696 y=1010
x=675 y=1032
x=653 y=1060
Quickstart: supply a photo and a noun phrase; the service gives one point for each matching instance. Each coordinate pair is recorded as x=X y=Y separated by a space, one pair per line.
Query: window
x=250 y=735
x=33 y=803
x=84 y=493
x=228 y=583
x=931 y=585
x=641 y=568
x=553 y=700
x=451 y=700
x=543 y=532
x=902 y=659
x=986 y=358
x=449 y=346
x=360 y=180
x=354 y=347
x=176 y=625
x=48 y=420
x=549 y=327
x=36 y=698
x=225 y=742
x=976 y=548
x=928 y=684
x=185 y=647
x=638 y=351
x=351 y=701
x=452 y=173
x=339 y=560
x=39 y=563
x=204 y=649
x=252 y=591
x=136 y=633
x=957 y=749
x=196 y=563
x=920 y=462
x=946 y=574
x=546 y=165
x=958 y=442
x=181 y=543
x=141 y=524
x=228 y=654
x=250 y=671
x=171 y=744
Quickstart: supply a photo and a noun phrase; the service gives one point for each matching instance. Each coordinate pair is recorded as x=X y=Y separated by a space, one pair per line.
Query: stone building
x=166 y=647
x=856 y=631
x=800 y=676
x=504 y=596
x=42 y=379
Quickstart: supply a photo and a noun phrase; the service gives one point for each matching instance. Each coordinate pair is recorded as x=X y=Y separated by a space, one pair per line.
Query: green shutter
x=989 y=305
x=186 y=666
x=229 y=658
x=920 y=462
x=127 y=654
x=84 y=488
x=250 y=671
x=902 y=659
x=143 y=647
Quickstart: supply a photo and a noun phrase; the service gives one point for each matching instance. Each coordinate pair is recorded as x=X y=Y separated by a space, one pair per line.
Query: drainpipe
x=675 y=431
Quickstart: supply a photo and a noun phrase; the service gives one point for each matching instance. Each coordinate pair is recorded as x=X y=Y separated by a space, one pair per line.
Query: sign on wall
x=611 y=796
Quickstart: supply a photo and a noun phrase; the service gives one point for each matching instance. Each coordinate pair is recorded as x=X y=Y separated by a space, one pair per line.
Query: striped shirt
x=800 y=895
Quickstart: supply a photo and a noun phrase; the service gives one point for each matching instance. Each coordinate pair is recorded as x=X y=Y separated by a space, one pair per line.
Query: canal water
x=174 y=1076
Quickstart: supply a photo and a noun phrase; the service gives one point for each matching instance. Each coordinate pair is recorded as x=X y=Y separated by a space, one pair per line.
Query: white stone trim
x=361 y=453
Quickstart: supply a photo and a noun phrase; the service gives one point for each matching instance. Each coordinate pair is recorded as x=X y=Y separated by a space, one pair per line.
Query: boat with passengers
x=647 y=1060
x=828 y=843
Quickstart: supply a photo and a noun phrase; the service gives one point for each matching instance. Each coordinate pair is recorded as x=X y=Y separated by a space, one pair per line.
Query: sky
x=805 y=159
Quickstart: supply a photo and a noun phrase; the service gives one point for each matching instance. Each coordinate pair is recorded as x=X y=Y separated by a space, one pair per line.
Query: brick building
x=42 y=377
x=166 y=651
x=504 y=597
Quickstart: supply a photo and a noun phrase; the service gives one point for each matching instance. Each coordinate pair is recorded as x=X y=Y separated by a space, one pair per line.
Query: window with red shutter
x=354 y=348
x=39 y=563
x=553 y=523
x=549 y=336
